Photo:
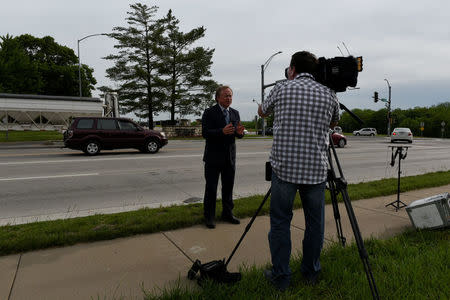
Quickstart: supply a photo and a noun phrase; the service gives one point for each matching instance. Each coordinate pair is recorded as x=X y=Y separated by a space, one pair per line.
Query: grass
x=27 y=136
x=41 y=235
x=413 y=265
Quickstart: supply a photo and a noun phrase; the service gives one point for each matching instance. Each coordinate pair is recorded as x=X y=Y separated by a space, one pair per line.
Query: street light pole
x=263 y=67
x=263 y=128
x=389 y=109
x=79 y=60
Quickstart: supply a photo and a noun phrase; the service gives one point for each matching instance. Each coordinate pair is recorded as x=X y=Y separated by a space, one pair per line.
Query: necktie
x=227 y=116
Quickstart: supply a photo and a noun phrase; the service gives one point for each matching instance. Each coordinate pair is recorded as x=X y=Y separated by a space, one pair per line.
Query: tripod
x=217 y=270
x=397 y=203
x=338 y=185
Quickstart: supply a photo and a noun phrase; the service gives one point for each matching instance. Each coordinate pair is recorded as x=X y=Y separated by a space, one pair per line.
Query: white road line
x=48 y=177
x=91 y=159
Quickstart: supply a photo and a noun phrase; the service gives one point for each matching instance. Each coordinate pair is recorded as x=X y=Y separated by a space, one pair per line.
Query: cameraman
x=304 y=110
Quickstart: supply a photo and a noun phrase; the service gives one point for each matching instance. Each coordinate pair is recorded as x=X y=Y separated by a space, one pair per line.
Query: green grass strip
x=41 y=235
x=412 y=265
x=27 y=136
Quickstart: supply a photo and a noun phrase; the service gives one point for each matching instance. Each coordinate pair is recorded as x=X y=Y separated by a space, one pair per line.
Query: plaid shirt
x=303 y=111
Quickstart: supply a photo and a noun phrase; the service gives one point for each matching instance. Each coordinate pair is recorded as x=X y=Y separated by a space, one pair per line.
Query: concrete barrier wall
x=182 y=131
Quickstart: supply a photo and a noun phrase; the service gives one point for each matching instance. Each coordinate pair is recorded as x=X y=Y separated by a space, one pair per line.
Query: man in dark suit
x=220 y=125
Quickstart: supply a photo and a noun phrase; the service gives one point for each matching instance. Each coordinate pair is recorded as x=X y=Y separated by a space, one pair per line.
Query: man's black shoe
x=210 y=224
x=279 y=284
x=231 y=219
x=311 y=280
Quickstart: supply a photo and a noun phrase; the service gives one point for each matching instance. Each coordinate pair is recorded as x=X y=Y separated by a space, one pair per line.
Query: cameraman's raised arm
x=260 y=112
x=266 y=108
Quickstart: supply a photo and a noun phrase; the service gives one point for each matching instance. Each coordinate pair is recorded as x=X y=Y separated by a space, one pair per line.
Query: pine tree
x=185 y=69
x=137 y=62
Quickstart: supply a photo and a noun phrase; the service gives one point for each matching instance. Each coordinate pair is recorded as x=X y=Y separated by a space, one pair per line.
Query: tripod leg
x=247 y=228
x=337 y=215
x=360 y=244
x=341 y=186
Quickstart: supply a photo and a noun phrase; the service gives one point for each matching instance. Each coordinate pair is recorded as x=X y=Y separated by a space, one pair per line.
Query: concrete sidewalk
x=121 y=268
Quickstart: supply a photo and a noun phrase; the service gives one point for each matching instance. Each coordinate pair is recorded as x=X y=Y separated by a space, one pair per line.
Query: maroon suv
x=92 y=134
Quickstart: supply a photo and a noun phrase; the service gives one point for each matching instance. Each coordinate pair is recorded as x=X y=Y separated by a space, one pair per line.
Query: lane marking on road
x=92 y=159
x=48 y=177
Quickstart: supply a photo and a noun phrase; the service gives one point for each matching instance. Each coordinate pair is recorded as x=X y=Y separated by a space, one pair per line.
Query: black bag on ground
x=214 y=270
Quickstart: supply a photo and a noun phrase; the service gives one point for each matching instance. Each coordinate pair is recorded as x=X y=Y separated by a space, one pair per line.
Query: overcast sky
x=406 y=42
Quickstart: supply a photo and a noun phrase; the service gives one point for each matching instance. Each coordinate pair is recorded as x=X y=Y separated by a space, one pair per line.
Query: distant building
x=40 y=112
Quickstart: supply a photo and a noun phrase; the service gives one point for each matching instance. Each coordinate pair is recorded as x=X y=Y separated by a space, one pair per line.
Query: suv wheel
x=341 y=143
x=372 y=134
x=357 y=134
x=151 y=146
x=92 y=148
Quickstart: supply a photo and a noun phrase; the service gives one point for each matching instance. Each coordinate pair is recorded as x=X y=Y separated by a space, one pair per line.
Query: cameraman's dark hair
x=304 y=62
x=220 y=89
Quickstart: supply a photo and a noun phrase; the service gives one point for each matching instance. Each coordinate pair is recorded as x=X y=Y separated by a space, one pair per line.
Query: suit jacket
x=220 y=148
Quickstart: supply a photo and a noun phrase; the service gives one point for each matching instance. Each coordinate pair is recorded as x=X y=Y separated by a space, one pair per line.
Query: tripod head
x=398 y=153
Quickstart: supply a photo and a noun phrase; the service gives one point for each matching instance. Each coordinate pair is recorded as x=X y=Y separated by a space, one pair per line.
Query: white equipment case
x=432 y=212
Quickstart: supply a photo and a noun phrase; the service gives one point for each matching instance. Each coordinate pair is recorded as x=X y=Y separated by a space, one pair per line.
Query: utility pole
x=388 y=106
x=389 y=109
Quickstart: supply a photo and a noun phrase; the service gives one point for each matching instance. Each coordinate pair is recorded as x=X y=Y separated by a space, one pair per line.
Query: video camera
x=337 y=73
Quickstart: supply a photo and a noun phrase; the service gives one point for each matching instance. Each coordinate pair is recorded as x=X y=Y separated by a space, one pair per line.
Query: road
x=50 y=183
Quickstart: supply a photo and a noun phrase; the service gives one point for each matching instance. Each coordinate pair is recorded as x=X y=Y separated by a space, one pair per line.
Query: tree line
x=412 y=118
x=431 y=118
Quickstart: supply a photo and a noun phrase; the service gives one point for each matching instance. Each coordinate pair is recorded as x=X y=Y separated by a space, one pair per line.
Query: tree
x=157 y=68
x=348 y=123
x=137 y=62
x=41 y=66
x=186 y=69
x=17 y=72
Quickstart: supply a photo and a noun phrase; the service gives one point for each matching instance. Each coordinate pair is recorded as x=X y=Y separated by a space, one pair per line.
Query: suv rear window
x=85 y=124
x=106 y=124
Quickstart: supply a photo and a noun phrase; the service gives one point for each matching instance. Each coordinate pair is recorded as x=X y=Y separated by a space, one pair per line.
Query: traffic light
x=375 y=97
x=359 y=63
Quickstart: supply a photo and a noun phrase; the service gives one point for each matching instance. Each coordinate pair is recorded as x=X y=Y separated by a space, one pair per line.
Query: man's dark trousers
x=212 y=173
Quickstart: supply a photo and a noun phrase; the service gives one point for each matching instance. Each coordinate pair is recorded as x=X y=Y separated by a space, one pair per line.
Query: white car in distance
x=401 y=134
x=365 y=131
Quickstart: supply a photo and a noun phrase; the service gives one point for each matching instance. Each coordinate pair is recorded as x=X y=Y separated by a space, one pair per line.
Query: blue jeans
x=281 y=204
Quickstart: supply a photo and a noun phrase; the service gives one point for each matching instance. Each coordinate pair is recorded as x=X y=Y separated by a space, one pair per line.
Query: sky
x=405 y=42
